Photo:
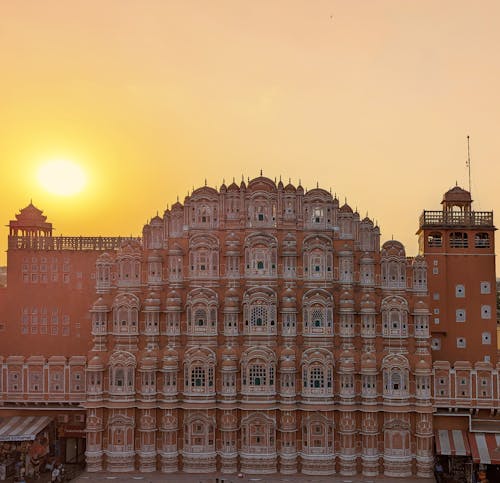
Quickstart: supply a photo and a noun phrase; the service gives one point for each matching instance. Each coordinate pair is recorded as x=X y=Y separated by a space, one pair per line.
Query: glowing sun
x=61 y=177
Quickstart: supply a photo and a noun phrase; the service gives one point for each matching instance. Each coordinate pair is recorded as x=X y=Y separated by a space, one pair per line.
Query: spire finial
x=317 y=184
x=205 y=181
x=468 y=164
x=261 y=172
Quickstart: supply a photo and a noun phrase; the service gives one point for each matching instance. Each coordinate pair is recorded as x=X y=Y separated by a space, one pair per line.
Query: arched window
x=393 y=265
x=129 y=265
x=204 y=256
x=126 y=314
x=121 y=373
x=103 y=272
x=261 y=256
x=397 y=439
x=259 y=311
x=419 y=273
x=199 y=434
x=258 y=371
x=318 y=258
x=258 y=435
x=120 y=433
x=201 y=311
x=317 y=436
x=199 y=372
x=317 y=306
x=394 y=317
x=317 y=373
x=396 y=376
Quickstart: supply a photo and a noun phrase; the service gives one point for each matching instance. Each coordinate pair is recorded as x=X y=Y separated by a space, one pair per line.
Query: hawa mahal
x=258 y=328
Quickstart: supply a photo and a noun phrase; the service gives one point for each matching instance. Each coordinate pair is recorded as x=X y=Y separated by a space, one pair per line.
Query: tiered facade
x=260 y=329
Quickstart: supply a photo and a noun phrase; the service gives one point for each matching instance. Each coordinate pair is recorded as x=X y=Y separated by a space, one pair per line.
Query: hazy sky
x=371 y=98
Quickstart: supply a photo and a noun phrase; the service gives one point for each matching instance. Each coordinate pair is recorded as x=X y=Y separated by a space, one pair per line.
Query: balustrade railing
x=98 y=243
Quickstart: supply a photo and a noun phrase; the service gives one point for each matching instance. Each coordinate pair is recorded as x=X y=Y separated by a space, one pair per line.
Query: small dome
x=368 y=361
x=173 y=298
x=233 y=187
x=170 y=357
x=290 y=188
x=422 y=364
x=153 y=300
x=457 y=194
x=228 y=363
x=280 y=184
x=232 y=299
x=368 y=301
x=287 y=363
x=96 y=363
x=421 y=306
x=288 y=300
x=100 y=305
x=154 y=256
x=345 y=208
x=223 y=188
x=287 y=352
x=287 y=358
x=229 y=351
x=148 y=359
x=346 y=299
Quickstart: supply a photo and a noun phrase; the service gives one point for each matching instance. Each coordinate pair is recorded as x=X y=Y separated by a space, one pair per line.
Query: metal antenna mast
x=468 y=164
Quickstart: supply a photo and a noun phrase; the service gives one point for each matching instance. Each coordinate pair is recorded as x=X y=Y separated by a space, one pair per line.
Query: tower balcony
x=429 y=219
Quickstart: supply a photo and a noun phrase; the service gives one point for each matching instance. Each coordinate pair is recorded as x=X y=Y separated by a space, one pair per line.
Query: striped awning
x=485 y=448
x=452 y=442
x=22 y=428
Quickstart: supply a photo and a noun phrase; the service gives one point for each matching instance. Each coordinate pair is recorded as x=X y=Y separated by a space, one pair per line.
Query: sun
x=62 y=177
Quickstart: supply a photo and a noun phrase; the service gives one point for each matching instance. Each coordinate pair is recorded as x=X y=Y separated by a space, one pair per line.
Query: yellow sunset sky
x=373 y=99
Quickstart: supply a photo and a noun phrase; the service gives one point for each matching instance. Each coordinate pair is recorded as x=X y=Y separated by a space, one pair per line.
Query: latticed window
x=258 y=376
x=198 y=377
x=317 y=377
x=258 y=316
x=317 y=317
x=200 y=317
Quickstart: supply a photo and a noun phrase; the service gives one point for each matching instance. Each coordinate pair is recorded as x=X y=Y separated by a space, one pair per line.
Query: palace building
x=257 y=328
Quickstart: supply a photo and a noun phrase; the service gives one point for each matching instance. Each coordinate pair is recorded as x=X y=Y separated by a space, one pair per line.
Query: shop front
x=71 y=443
x=25 y=442
x=485 y=449
x=454 y=455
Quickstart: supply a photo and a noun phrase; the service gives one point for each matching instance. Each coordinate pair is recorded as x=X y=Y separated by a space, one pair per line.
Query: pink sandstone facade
x=257 y=329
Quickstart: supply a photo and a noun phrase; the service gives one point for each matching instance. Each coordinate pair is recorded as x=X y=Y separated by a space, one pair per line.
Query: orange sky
x=371 y=98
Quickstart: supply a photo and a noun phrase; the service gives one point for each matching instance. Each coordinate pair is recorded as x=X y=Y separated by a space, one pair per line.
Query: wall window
x=485 y=288
x=459 y=239
x=435 y=239
x=461 y=343
x=482 y=240
x=486 y=338
x=460 y=315
x=459 y=291
x=436 y=344
x=485 y=311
